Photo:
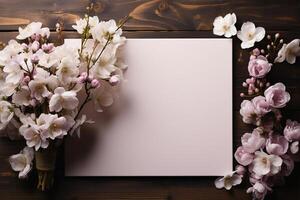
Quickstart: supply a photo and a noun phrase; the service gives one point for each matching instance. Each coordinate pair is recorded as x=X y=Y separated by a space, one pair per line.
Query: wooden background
x=157 y=18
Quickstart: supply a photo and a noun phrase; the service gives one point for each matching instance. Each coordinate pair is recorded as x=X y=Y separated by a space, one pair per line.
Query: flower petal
x=259 y=34
x=248 y=27
x=219 y=21
x=17 y=162
x=24 y=172
x=247 y=44
x=219 y=182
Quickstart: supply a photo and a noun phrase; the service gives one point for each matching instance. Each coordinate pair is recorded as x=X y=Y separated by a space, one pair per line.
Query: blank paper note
x=174 y=117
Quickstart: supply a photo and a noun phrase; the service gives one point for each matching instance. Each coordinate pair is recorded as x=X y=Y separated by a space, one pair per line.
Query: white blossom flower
x=38 y=89
x=228 y=181
x=6 y=113
x=12 y=49
x=249 y=34
x=29 y=30
x=22 y=97
x=225 y=26
x=58 y=128
x=105 y=66
x=264 y=163
x=14 y=72
x=67 y=70
x=46 y=60
x=63 y=99
x=52 y=82
x=102 y=97
x=289 y=52
x=6 y=89
x=22 y=162
x=43 y=122
x=247 y=111
x=33 y=137
x=82 y=23
x=66 y=51
x=105 y=30
x=4 y=57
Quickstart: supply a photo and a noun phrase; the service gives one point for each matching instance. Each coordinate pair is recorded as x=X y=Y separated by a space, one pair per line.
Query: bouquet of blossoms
x=267 y=153
x=40 y=84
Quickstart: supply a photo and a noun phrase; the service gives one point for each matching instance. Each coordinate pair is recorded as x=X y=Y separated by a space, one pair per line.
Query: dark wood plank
x=152 y=14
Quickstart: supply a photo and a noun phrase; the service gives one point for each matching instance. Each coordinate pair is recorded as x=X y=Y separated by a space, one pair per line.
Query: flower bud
x=95 y=83
x=48 y=47
x=256 y=52
x=248 y=80
x=81 y=79
x=25 y=46
x=35 y=46
x=34 y=58
x=114 y=80
x=250 y=92
x=240 y=170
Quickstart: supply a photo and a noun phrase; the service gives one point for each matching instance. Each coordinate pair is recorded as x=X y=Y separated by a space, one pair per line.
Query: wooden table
x=157 y=18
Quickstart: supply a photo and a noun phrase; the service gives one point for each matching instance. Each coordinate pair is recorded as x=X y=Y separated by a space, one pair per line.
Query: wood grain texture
x=157 y=18
x=152 y=14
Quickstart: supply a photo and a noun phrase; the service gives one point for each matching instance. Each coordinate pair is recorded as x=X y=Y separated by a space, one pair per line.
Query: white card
x=175 y=117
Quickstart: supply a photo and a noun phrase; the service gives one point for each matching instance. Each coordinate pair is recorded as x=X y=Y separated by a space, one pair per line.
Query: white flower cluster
x=249 y=34
x=40 y=82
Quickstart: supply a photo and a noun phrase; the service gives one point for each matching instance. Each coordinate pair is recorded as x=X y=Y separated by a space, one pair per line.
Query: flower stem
x=45 y=160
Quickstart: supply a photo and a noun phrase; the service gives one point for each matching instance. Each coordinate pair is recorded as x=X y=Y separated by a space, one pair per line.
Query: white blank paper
x=174 y=117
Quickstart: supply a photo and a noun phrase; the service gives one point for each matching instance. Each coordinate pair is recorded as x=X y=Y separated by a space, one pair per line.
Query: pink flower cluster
x=268 y=153
x=258 y=68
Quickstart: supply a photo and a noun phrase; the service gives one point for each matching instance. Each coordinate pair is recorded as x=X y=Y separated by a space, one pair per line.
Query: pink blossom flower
x=277 y=145
x=292 y=130
x=259 y=190
x=252 y=141
x=264 y=164
x=261 y=106
x=248 y=112
x=294 y=147
x=243 y=157
x=259 y=66
x=276 y=96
